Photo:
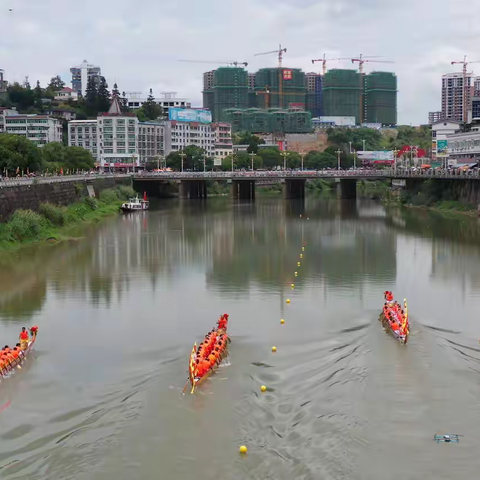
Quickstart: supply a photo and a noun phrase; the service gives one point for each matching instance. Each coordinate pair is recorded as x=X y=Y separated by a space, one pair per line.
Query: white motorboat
x=135 y=205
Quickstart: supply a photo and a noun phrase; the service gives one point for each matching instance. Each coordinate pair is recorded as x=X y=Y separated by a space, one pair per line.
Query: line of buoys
x=263 y=388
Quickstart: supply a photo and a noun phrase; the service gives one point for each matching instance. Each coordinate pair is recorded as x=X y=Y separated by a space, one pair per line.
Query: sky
x=140 y=43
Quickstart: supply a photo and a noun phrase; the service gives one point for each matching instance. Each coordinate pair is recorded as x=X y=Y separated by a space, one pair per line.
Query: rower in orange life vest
x=23 y=337
x=388 y=296
x=222 y=322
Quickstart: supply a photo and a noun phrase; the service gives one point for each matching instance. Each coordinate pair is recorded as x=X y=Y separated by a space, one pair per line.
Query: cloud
x=138 y=43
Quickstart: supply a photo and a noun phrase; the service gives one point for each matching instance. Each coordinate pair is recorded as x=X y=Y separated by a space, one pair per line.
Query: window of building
x=108 y=122
x=132 y=151
x=120 y=150
x=120 y=121
x=108 y=150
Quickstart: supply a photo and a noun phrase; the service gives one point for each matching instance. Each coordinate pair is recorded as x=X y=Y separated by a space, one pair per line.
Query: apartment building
x=167 y=100
x=81 y=74
x=150 y=141
x=83 y=133
x=434 y=117
x=40 y=129
x=223 y=140
x=453 y=90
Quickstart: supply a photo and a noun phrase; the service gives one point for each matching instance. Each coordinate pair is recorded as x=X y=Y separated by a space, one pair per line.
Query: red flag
x=61 y=171
x=145 y=196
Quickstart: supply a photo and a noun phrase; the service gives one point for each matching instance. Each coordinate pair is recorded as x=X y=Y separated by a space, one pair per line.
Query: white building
x=117 y=138
x=83 y=133
x=66 y=94
x=464 y=147
x=189 y=127
x=167 y=100
x=40 y=129
x=223 y=140
x=150 y=141
x=81 y=74
x=452 y=96
x=440 y=131
x=6 y=112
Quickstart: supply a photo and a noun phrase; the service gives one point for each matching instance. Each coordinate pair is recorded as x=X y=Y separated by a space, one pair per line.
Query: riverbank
x=52 y=223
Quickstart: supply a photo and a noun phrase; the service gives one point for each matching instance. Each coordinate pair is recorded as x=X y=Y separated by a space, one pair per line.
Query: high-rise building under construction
x=280 y=88
x=342 y=94
x=380 y=98
x=230 y=90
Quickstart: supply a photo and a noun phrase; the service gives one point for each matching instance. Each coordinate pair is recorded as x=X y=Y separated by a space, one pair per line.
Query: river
x=118 y=312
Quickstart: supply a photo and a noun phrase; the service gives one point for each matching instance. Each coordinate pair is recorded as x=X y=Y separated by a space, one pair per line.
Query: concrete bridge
x=242 y=184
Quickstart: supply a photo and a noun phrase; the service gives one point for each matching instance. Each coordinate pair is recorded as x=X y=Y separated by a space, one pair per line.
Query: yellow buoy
x=288 y=300
x=292 y=285
x=243 y=449
x=296 y=274
x=298 y=264
x=303 y=249
x=263 y=388
x=282 y=321
x=274 y=349
x=301 y=255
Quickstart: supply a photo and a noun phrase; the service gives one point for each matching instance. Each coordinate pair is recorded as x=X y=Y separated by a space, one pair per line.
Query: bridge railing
x=359 y=173
x=18 y=181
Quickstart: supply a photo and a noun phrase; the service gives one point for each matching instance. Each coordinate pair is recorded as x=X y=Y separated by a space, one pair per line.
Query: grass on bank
x=51 y=221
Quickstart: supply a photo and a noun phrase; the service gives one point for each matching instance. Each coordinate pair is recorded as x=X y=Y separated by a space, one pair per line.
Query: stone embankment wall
x=62 y=193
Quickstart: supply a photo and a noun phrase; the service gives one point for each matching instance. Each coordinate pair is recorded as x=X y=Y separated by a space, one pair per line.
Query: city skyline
x=130 y=51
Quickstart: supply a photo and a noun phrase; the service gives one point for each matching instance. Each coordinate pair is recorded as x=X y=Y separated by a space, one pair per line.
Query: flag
x=61 y=171
x=145 y=196
x=18 y=170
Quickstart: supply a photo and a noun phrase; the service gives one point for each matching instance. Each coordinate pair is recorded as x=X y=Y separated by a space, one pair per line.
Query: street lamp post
x=182 y=156
x=350 y=143
x=233 y=156
x=204 y=163
x=363 y=141
x=395 y=154
x=303 y=156
x=338 y=152
x=252 y=156
x=354 y=159
x=284 y=155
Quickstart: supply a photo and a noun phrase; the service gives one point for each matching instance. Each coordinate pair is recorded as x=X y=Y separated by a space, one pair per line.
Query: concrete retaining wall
x=62 y=193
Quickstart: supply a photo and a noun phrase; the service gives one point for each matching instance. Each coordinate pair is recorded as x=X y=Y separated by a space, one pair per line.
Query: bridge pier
x=347 y=189
x=192 y=189
x=294 y=188
x=242 y=189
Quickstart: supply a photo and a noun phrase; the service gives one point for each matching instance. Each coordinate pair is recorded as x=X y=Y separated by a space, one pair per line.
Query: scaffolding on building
x=230 y=90
x=342 y=91
x=381 y=98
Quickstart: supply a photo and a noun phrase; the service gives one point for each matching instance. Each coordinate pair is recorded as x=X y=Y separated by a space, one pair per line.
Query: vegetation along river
x=118 y=313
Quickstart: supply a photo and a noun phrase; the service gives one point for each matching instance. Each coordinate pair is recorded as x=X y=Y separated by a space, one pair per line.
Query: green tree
x=124 y=103
x=318 y=160
x=192 y=161
x=56 y=83
x=23 y=98
x=103 y=96
x=247 y=138
x=90 y=100
x=270 y=157
x=38 y=94
x=16 y=151
x=150 y=108
x=54 y=152
x=79 y=158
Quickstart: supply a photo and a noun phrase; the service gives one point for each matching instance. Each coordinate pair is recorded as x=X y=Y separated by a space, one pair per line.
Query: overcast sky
x=138 y=43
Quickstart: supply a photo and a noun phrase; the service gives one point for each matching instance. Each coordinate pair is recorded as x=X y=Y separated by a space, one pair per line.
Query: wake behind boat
x=394 y=318
x=14 y=357
x=209 y=355
x=135 y=204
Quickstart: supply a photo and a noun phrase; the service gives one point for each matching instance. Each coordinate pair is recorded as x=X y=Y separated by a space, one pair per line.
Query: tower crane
x=361 y=60
x=236 y=63
x=464 y=71
x=280 y=53
x=325 y=60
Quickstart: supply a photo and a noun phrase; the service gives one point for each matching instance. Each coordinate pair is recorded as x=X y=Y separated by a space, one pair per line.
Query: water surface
x=119 y=311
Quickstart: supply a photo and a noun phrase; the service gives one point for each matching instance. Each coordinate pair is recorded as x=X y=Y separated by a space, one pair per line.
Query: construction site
x=284 y=100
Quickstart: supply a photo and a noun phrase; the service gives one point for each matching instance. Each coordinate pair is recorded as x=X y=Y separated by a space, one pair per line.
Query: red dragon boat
x=4 y=373
x=394 y=318
x=218 y=337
